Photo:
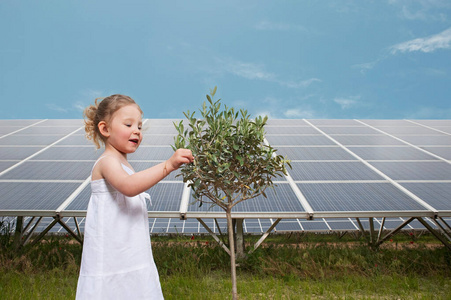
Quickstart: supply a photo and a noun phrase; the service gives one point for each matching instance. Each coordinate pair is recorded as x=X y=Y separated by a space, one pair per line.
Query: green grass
x=285 y=267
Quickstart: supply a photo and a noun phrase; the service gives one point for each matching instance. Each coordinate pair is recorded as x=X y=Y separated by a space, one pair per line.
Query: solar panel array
x=342 y=169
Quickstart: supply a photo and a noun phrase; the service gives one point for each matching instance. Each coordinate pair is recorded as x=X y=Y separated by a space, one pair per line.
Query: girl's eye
x=128 y=125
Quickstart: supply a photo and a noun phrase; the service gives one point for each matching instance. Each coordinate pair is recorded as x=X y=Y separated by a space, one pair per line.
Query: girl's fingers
x=182 y=156
x=187 y=154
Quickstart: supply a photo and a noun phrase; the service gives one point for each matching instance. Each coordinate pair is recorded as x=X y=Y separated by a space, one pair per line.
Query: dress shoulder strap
x=103 y=156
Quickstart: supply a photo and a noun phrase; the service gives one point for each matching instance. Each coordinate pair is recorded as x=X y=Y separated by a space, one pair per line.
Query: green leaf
x=240 y=159
x=213 y=92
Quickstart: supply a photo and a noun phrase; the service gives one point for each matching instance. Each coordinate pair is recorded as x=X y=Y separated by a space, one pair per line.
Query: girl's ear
x=103 y=129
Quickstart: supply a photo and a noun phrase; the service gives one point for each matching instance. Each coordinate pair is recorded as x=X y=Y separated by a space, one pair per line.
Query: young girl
x=117 y=261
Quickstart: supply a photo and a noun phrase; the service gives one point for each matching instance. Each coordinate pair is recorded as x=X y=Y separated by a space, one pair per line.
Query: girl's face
x=124 y=129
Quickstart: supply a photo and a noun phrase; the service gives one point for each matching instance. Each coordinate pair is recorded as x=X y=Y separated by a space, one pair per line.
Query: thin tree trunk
x=18 y=233
x=239 y=242
x=232 y=252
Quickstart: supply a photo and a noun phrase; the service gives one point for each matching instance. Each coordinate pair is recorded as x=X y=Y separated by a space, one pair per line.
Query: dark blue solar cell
x=357 y=197
x=434 y=170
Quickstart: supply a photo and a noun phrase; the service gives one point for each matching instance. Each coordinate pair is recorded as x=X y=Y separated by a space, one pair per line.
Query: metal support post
x=444 y=222
x=361 y=227
x=70 y=231
x=28 y=225
x=32 y=231
x=442 y=229
x=219 y=230
x=264 y=236
x=342 y=234
x=43 y=233
x=78 y=228
x=214 y=235
x=394 y=231
x=435 y=233
x=18 y=232
x=381 y=230
x=371 y=242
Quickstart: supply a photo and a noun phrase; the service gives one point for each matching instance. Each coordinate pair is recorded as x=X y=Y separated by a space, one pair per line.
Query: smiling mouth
x=135 y=141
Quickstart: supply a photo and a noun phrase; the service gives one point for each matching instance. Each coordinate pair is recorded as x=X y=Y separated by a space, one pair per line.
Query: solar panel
x=314 y=153
x=281 y=198
x=160 y=153
x=342 y=225
x=311 y=140
x=28 y=198
x=47 y=130
x=435 y=193
x=433 y=170
x=30 y=140
x=427 y=140
x=308 y=171
x=44 y=165
x=18 y=123
x=387 y=123
x=435 y=123
x=350 y=197
x=166 y=196
x=154 y=139
x=444 y=152
x=81 y=201
x=153 y=130
x=288 y=225
x=348 y=130
x=275 y=130
x=6 y=164
x=76 y=139
x=142 y=165
x=334 y=122
x=17 y=153
x=43 y=170
x=391 y=153
x=413 y=130
x=352 y=140
x=315 y=225
x=72 y=153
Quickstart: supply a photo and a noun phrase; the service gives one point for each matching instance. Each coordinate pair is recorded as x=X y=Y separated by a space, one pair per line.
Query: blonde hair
x=102 y=111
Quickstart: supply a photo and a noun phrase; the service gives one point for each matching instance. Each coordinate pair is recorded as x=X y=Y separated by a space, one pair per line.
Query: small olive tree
x=231 y=161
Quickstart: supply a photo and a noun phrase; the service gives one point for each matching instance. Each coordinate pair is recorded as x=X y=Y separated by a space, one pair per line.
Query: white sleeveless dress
x=117 y=261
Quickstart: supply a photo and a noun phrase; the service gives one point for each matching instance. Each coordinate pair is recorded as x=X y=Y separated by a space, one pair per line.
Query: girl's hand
x=180 y=157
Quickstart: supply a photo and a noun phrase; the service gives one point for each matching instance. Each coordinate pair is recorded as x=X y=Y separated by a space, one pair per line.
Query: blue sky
x=286 y=59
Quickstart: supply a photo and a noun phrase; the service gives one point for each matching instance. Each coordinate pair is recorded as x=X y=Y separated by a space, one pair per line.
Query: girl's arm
x=132 y=185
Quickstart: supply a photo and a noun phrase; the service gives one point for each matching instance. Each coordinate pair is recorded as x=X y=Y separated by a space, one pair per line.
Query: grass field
x=285 y=267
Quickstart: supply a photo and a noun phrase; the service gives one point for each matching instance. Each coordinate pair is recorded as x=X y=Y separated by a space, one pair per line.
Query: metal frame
x=442 y=231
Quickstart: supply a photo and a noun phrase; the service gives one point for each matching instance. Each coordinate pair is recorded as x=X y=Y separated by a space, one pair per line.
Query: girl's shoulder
x=103 y=164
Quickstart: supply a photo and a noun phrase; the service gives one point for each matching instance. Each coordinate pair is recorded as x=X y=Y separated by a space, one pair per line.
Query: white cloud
x=429 y=113
x=364 y=67
x=276 y=108
x=423 y=10
x=300 y=113
x=441 y=40
x=57 y=108
x=79 y=106
x=258 y=72
x=300 y=84
x=248 y=70
x=265 y=113
x=346 y=103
